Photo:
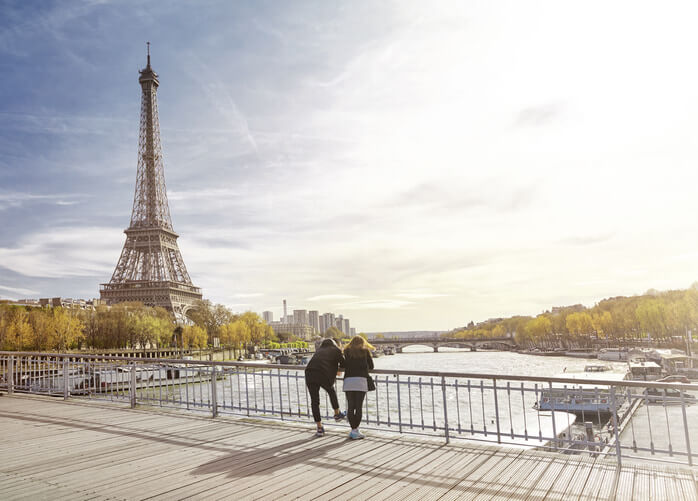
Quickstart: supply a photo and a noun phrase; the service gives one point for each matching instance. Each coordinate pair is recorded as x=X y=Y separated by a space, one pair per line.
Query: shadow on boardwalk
x=86 y=450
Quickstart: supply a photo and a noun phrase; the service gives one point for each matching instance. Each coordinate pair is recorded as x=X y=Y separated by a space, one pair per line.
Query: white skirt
x=358 y=383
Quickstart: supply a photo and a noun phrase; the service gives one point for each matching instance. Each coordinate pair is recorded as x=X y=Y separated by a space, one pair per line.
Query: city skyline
x=416 y=168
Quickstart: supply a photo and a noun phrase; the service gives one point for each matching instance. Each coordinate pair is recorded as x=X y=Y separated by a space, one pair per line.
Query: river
x=486 y=362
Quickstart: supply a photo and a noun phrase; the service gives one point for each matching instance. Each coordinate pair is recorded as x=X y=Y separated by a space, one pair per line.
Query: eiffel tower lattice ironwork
x=151 y=269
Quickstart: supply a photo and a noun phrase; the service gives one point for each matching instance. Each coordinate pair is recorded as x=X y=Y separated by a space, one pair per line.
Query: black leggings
x=314 y=390
x=355 y=400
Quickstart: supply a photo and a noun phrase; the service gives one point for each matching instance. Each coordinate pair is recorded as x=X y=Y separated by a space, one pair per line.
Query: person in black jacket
x=357 y=363
x=321 y=372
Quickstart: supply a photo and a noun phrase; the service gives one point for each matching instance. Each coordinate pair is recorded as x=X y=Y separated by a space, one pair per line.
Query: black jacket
x=358 y=366
x=322 y=368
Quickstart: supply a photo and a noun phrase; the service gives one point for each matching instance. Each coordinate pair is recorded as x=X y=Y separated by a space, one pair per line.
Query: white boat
x=642 y=369
x=584 y=398
x=613 y=354
x=668 y=396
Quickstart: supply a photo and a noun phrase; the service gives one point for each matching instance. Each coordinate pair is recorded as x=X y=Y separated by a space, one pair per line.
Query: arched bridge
x=501 y=343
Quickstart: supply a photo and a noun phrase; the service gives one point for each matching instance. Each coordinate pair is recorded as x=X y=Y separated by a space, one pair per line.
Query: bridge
x=501 y=343
x=132 y=429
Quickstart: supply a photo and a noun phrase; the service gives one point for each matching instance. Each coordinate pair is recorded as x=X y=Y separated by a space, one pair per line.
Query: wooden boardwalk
x=51 y=449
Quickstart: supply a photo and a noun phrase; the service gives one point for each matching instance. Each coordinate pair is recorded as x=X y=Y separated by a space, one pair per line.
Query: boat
x=585 y=398
x=613 y=354
x=642 y=369
x=668 y=396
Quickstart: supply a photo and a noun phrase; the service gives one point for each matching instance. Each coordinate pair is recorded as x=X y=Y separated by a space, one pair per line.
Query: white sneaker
x=355 y=435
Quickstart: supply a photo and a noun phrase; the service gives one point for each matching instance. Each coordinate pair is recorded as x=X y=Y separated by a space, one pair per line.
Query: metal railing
x=626 y=419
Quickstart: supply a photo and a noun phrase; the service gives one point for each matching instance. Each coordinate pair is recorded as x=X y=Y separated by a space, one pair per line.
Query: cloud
x=587 y=239
x=331 y=297
x=420 y=295
x=65 y=252
x=537 y=116
x=18 y=199
x=376 y=304
x=17 y=290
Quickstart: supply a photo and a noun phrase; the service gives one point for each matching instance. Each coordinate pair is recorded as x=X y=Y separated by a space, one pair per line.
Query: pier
x=78 y=449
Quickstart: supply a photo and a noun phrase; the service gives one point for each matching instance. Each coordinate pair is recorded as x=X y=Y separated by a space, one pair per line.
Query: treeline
x=661 y=315
x=130 y=326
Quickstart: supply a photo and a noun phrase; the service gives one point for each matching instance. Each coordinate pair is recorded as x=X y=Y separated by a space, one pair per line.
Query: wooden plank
x=309 y=465
x=188 y=475
x=448 y=475
x=568 y=472
x=689 y=484
x=349 y=467
x=529 y=470
x=374 y=478
x=411 y=478
x=144 y=470
x=464 y=482
x=624 y=484
x=345 y=465
x=556 y=464
x=243 y=463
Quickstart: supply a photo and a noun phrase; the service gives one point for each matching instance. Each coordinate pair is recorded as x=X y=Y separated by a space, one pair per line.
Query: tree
x=334 y=333
x=194 y=336
x=66 y=330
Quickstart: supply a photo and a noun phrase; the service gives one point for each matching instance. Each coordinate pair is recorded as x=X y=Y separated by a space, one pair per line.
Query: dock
x=76 y=449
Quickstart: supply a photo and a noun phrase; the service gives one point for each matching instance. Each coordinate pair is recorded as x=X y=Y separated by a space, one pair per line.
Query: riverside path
x=54 y=449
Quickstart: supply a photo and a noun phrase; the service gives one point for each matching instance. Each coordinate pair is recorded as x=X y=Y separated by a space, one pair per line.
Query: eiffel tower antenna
x=151 y=269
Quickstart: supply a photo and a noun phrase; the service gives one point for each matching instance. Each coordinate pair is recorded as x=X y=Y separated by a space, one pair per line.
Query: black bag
x=371 y=384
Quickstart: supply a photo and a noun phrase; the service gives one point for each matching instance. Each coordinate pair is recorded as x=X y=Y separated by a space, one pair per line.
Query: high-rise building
x=347 y=328
x=329 y=320
x=268 y=317
x=284 y=317
x=314 y=320
x=151 y=269
x=300 y=317
x=321 y=322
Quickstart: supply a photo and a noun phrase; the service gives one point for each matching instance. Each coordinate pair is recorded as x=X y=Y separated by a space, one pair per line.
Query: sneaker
x=320 y=432
x=355 y=435
x=340 y=416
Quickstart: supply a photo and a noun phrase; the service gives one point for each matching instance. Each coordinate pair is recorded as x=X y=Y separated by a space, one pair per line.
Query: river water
x=486 y=362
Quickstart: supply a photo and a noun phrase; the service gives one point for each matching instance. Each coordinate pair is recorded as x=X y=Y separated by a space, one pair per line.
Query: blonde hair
x=357 y=347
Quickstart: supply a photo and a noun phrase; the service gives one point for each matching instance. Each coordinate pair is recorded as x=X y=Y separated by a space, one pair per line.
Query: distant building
x=347 y=327
x=304 y=332
x=268 y=316
x=353 y=332
x=314 y=320
x=328 y=321
x=300 y=317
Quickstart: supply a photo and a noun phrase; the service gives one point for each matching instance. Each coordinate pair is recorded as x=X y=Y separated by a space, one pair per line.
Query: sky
x=411 y=165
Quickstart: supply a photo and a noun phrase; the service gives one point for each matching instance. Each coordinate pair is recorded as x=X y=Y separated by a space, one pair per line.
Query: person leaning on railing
x=357 y=363
x=321 y=372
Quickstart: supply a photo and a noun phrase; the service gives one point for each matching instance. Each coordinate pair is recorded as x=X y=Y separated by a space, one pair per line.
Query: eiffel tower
x=151 y=269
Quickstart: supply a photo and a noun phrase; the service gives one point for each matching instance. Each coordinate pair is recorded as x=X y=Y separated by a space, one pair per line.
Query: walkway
x=51 y=449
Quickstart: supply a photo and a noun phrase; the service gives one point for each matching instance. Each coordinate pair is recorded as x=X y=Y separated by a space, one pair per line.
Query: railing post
x=11 y=375
x=66 y=379
x=685 y=430
x=614 y=417
x=281 y=396
x=443 y=392
x=399 y=407
x=133 y=384
x=496 y=410
x=553 y=401
x=214 y=394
